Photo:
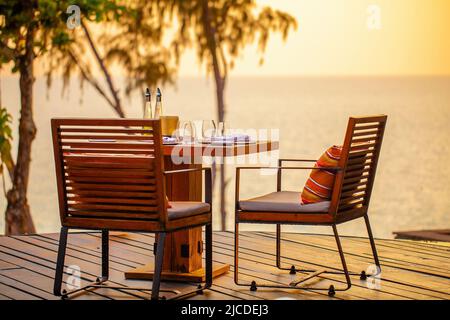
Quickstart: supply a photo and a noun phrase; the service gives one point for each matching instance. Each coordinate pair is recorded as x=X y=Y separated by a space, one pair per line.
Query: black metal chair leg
x=208 y=258
x=372 y=243
x=59 y=270
x=294 y=284
x=158 y=266
x=236 y=253
x=100 y=282
x=341 y=254
x=292 y=270
x=105 y=255
x=278 y=246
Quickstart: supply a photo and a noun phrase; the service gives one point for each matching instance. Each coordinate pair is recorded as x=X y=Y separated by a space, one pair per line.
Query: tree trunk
x=221 y=115
x=18 y=218
x=220 y=88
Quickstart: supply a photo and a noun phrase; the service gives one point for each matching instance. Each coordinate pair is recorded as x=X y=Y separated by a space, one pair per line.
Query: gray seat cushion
x=284 y=201
x=183 y=209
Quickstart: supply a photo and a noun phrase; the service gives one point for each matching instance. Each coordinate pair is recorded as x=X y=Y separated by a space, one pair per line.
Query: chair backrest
x=359 y=159
x=109 y=172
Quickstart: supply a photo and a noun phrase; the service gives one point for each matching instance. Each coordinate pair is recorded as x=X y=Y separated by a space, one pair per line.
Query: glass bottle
x=148 y=114
x=158 y=107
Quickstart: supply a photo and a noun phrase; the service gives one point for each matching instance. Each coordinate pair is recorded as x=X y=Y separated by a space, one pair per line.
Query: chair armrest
x=280 y=161
x=186 y=170
x=208 y=180
x=296 y=168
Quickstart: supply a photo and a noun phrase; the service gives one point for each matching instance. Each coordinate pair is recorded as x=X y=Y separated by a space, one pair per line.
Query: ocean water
x=412 y=187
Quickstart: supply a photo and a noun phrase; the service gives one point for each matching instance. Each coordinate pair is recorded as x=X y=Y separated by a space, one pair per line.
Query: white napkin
x=231 y=138
x=169 y=140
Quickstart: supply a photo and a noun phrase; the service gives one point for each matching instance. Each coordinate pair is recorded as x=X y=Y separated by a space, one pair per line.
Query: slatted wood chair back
x=109 y=171
x=359 y=159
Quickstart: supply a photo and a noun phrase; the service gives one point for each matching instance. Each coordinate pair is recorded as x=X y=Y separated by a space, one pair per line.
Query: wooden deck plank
x=141 y=242
x=88 y=263
x=117 y=270
x=410 y=270
x=38 y=265
x=4 y=265
x=4 y=297
x=228 y=249
x=353 y=267
x=393 y=269
x=419 y=256
x=363 y=251
x=406 y=291
x=124 y=251
x=359 y=287
x=248 y=274
x=13 y=292
x=27 y=281
x=422 y=252
x=431 y=246
x=387 y=259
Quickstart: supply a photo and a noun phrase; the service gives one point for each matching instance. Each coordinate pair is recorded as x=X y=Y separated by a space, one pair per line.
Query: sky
x=353 y=37
x=348 y=38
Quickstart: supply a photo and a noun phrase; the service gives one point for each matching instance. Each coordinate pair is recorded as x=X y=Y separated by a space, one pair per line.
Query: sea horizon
x=311 y=113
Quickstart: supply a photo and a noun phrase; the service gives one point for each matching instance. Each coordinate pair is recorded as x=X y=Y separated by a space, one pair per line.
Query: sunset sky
x=333 y=39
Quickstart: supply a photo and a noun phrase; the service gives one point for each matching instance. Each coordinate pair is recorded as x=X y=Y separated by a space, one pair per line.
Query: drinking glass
x=209 y=130
x=185 y=131
x=222 y=128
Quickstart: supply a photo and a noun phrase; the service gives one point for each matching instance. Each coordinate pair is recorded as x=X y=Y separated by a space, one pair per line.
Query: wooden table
x=183 y=249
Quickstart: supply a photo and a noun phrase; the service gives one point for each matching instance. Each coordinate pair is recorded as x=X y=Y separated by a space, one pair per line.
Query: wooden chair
x=350 y=199
x=110 y=176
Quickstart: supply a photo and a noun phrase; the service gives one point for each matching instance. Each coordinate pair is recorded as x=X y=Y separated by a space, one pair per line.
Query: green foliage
x=132 y=40
x=5 y=140
x=48 y=18
x=21 y=17
x=134 y=33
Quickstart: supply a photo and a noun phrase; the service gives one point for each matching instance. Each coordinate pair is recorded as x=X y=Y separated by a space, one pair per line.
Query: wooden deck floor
x=410 y=270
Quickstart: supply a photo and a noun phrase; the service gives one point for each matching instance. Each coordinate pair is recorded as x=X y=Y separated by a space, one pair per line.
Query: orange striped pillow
x=319 y=186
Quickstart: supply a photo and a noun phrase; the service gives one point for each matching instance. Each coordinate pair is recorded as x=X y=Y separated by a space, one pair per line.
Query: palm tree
x=131 y=41
x=31 y=29
x=220 y=30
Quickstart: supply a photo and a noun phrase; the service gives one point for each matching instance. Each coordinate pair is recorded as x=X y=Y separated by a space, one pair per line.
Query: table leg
x=183 y=249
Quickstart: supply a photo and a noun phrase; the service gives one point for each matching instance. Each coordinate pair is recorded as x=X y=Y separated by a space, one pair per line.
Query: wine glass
x=185 y=131
x=209 y=130
x=222 y=129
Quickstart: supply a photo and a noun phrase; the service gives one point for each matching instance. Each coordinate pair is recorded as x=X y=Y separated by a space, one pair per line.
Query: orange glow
x=333 y=39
